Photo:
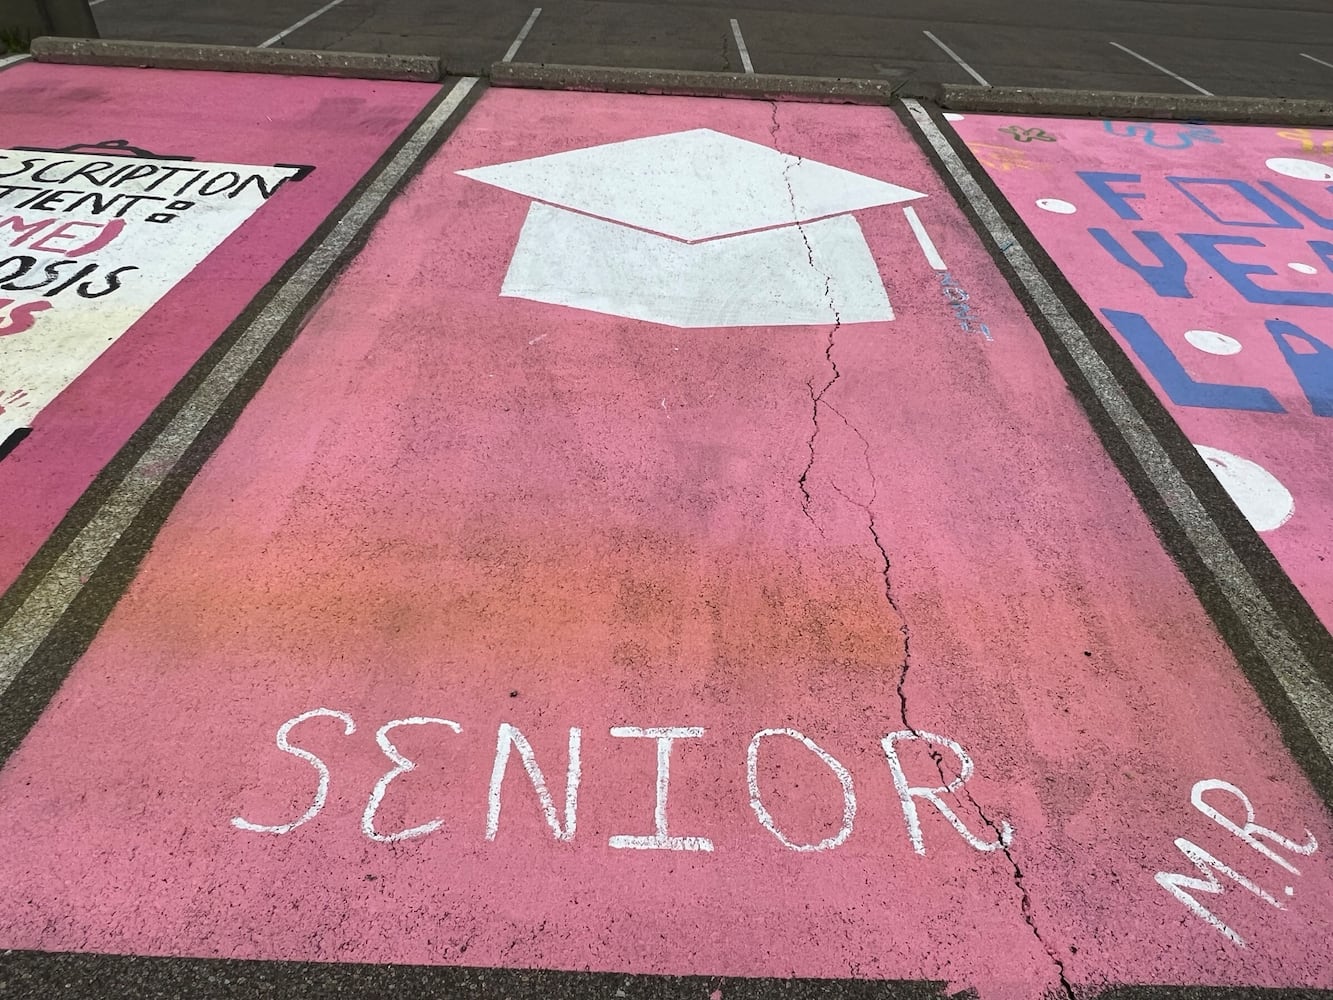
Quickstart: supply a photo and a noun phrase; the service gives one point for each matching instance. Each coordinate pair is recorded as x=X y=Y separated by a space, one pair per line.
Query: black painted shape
x=12 y=442
x=303 y=170
x=118 y=146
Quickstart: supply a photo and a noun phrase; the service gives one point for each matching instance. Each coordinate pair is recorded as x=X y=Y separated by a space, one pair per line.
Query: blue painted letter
x=1176 y=382
x=1276 y=217
x=1167 y=278
x=1100 y=182
x=1313 y=369
x=1236 y=273
x=1300 y=206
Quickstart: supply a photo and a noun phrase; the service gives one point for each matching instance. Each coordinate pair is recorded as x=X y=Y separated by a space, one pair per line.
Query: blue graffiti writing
x=957 y=297
x=1184 y=138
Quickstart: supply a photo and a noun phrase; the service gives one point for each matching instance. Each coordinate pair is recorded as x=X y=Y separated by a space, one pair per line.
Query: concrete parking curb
x=1123 y=104
x=690 y=83
x=236 y=59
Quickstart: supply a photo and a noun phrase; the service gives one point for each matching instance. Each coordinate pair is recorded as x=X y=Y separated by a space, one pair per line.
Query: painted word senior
x=944 y=772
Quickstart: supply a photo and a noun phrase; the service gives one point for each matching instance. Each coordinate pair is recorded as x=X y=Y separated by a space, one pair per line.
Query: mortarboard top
x=692 y=186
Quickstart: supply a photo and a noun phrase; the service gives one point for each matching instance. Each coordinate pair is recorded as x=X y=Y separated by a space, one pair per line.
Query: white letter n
x=509 y=736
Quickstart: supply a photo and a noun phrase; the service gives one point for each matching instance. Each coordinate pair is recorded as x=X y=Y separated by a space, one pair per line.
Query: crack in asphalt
x=817 y=402
x=887 y=571
x=1025 y=902
x=1025 y=899
x=816 y=398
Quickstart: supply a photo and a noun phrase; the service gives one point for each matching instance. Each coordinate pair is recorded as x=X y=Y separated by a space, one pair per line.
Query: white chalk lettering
x=844 y=779
x=907 y=794
x=509 y=736
x=401 y=766
x=814 y=832
x=1179 y=886
x=660 y=840
x=1251 y=829
x=321 y=791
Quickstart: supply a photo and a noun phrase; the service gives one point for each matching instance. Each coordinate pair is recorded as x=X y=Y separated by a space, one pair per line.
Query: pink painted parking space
x=669 y=548
x=140 y=212
x=1207 y=252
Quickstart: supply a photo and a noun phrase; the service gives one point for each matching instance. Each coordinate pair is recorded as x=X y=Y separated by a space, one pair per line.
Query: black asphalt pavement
x=1231 y=47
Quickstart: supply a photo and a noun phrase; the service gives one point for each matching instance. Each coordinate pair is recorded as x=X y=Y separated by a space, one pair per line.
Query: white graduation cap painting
x=696 y=229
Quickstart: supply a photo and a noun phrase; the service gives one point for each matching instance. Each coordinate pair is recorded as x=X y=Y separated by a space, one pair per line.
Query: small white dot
x=1057 y=206
x=1290 y=891
x=1212 y=342
x=1304 y=170
x=952 y=116
x=1302 y=268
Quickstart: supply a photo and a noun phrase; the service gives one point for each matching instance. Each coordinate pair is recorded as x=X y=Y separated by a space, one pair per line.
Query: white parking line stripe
x=523 y=33
x=301 y=23
x=955 y=57
x=928 y=248
x=740 y=44
x=1158 y=66
x=1321 y=62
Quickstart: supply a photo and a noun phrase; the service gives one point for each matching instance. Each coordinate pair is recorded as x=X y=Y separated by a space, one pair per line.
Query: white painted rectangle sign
x=89 y=243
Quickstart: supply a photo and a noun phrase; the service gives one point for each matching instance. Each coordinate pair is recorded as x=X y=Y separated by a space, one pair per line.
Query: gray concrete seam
x=693 y=83
x=1125 y=104
x=237 y=59
x=1270 y=636
x=41 y=612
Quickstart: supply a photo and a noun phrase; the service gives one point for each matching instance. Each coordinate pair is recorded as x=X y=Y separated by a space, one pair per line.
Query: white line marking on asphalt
x=10 y=60
x=928 y=248
x=740 y=44
x=522 y=34
x=1321 y=62
x=40 y=613
x=1159 y=66
x=301 y=23
x=958 y=59
x=1269 y=634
